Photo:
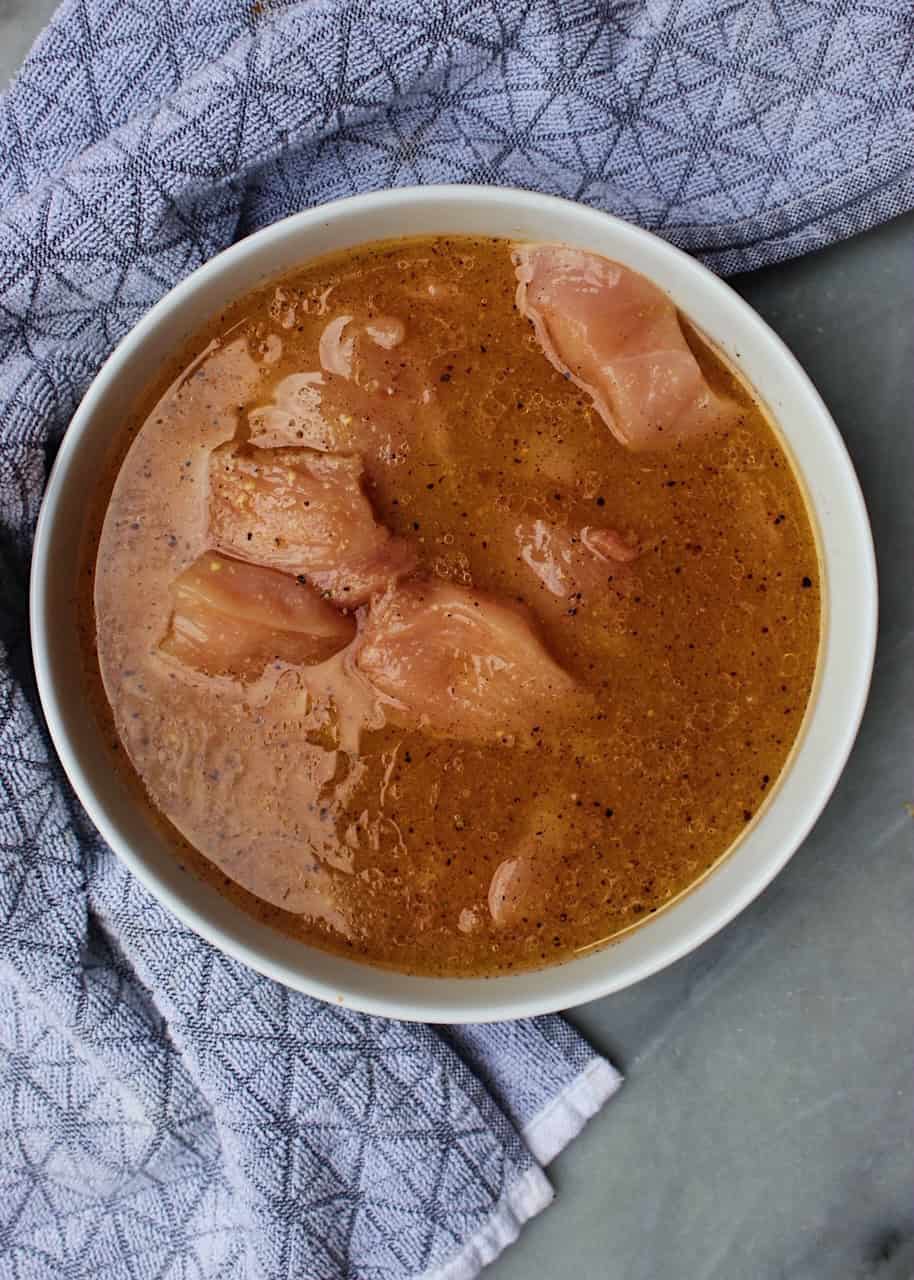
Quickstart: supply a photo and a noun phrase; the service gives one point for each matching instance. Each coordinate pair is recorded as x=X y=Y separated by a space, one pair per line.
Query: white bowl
x=810 y=436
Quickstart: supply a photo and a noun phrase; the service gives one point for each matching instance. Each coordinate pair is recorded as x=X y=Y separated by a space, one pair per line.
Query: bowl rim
x=486 y=999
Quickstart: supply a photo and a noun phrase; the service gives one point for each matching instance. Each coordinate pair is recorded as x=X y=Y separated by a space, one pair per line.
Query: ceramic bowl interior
x=808 y=433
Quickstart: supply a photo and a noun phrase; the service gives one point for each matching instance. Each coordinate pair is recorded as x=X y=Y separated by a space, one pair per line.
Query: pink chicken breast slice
x=618 y=337
x=231 y=618
x=305 y=513
x=575 y=568
x=460 y=664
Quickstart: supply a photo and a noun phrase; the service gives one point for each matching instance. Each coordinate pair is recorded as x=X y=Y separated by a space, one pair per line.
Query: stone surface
x=20 y=22
x=764 y=1132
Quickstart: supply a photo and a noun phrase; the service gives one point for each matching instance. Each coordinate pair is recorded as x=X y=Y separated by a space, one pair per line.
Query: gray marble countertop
x=764 y=1132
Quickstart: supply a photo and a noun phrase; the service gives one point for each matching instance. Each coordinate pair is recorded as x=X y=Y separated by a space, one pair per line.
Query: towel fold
x=164 y=1111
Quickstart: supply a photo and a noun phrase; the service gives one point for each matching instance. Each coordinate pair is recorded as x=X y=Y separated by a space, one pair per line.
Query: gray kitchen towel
x=165 y=1112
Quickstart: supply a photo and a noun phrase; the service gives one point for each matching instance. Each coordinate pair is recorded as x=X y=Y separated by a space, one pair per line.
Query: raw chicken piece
x=337 y=346
x=233 y=619
x=370 y=398
x=306 y=513
x=609 y=545
x=618 y=337
x=380 y=397
x=511 y=891
x=308 y=409
x=574 y=568
x=459 y=664
x=523 y=881
x=294 y=418
x=386 y=331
